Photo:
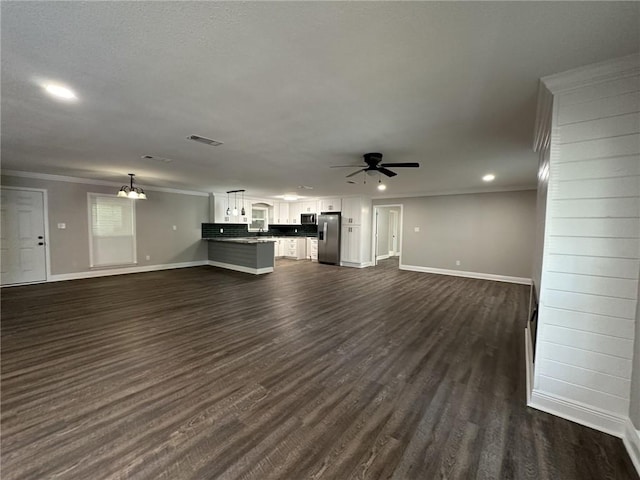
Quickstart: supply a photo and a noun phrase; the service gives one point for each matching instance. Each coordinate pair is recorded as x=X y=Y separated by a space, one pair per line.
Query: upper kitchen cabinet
x=281 y=213
x=220 y=206
x=330 y=205
x=295 y=208
x=353 y=209
x=309 y=206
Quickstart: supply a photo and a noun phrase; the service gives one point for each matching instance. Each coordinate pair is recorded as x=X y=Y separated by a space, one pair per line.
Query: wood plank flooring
x=312 y=372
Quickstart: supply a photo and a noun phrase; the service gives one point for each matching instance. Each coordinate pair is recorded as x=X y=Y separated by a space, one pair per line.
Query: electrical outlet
x=296 y=230
x=222 y=230
x=416 y=229
x=62 y=226
x=458 y=262
x=148 y=257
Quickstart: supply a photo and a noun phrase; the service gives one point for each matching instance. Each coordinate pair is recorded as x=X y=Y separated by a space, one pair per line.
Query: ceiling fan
x=372 y=165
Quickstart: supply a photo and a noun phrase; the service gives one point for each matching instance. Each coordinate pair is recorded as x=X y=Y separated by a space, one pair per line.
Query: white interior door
x=22 y=236
x=393 y=232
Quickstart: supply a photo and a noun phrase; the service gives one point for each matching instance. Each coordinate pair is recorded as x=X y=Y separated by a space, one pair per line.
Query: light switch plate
x=416 y=229
x=175 y=227
x=62 y=226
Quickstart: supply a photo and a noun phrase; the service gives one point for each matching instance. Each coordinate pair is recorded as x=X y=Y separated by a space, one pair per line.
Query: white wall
x=591 y=261
x=489 y=233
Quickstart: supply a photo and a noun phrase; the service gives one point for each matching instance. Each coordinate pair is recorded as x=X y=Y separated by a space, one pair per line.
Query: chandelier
x=129 y=191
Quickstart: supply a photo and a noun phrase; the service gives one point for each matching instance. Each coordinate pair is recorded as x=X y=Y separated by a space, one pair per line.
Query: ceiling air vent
x=158 y=159
x=207 y=141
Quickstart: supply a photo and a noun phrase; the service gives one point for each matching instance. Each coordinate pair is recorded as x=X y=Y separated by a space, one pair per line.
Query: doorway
x=23 y=252
x=387 y=234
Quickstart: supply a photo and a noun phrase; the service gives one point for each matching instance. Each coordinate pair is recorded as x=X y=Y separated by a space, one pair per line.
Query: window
x=112 y=237
x=259 y=219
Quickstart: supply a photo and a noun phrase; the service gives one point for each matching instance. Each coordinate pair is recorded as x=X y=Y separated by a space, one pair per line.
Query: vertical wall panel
x=589 y=295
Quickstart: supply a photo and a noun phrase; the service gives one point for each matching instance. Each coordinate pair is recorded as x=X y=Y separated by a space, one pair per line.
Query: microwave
x=308 y=218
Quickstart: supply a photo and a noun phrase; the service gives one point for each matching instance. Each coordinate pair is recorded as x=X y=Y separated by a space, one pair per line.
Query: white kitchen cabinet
x=356 y=232
x=281 y=213
x=309 y=206
x=278 y=248
x=294 y=248
x=352 y=210
x=295 y=209
x=220 y=207
x=351 y=244
x=220 y=211
x=330 y=205
x=312 y=249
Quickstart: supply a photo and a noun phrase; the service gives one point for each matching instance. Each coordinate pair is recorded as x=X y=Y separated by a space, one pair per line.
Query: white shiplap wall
x=591 y=260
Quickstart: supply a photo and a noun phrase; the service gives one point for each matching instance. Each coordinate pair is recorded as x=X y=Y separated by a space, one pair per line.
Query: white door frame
x=374 y=246
x=45 y=206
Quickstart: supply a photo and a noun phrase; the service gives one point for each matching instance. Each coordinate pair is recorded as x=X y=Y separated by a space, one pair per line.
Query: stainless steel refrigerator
x=329 y=238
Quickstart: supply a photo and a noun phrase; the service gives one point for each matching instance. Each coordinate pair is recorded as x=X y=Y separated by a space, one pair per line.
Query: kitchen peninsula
x=249 y=255
x=234 y=247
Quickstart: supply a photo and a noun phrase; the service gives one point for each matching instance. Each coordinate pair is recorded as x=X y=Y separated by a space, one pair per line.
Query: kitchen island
x=244 y=254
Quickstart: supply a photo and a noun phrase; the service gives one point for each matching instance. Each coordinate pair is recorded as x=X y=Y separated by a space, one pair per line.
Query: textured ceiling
x=292 y=88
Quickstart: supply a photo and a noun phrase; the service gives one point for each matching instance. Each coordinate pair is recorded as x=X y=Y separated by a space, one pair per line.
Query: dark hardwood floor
x=311 y=372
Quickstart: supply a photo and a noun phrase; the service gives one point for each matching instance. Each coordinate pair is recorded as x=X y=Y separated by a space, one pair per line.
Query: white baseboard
x=528 y=354
x=107 y=272
x=591 y=417
x=461 y=273
x=578 y=412
x=356 y=265
x=382 y=257
x=238 y=268
x=631 y=440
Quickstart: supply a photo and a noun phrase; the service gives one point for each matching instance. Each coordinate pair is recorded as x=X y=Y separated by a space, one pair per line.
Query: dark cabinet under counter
x=248 y=255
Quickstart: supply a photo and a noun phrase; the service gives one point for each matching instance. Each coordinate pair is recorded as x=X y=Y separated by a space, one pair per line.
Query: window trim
x=265 y=209
x=90 y=233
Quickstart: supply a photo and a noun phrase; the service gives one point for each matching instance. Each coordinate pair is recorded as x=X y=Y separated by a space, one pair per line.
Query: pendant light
x=129 y=191
x=242 y=212
x=228 y=209
x=235 y=208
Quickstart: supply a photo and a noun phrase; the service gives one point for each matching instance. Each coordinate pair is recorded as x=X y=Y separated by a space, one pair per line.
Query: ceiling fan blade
x=349 y=166
x=399 y=165
x=357 y=172
x=388 y=173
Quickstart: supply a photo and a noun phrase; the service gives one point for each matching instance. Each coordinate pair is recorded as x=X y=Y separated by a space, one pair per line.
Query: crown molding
x=470 y=191
x=592 y=74
x=89 y=181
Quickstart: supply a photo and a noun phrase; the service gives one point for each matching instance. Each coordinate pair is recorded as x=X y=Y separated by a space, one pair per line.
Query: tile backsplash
x=212 y=230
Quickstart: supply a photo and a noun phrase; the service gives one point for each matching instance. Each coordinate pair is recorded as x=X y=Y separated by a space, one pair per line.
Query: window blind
x=112 y=239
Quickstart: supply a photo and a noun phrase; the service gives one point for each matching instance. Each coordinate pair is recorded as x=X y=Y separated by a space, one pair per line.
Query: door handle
x=40 y=237
x=40 y=243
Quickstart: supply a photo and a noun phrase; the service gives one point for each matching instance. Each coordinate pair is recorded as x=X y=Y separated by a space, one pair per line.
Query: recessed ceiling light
x=489 y=177
x=59 y=91
x=305 y=187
